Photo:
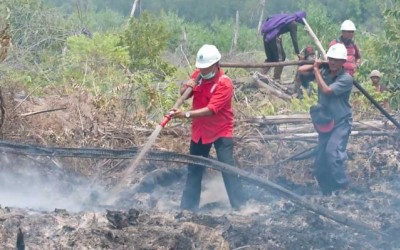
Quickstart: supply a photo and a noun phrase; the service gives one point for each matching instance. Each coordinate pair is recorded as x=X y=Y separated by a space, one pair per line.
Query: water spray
x=126 y=176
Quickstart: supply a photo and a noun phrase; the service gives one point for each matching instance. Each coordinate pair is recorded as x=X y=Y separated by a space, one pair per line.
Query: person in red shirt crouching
x=212 y=124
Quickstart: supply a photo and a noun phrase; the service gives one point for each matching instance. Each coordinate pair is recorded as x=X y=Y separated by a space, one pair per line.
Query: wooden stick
x=39 y=112
x=264 y=65
x=316 y=40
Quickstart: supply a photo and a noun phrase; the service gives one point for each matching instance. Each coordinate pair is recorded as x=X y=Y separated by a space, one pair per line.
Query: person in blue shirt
x=334 y=89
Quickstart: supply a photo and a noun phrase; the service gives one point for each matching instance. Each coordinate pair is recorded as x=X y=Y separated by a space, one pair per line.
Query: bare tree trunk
x=236 y=33
x=184 y=48
x=134 y=6
x=262 y=7
x=315 y=38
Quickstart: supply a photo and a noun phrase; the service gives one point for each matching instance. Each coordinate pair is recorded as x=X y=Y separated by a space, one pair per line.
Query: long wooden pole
x=263 y=65
x=315 y=38
x=134 y=6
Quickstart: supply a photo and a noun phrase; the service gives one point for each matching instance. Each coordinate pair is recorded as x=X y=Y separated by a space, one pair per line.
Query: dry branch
x=270 y=89
x=42 y=111
x=279 y=119
x=273 y=83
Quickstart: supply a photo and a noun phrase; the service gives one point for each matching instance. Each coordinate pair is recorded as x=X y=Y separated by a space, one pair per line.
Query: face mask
x=208 y=76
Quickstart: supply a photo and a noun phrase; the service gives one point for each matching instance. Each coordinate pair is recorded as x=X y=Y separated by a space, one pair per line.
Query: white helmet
x=207 y=56
x=375 y=73
x=348 y=25
x=337 y=51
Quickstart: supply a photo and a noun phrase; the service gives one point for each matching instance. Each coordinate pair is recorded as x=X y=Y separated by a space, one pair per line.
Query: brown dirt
x=53 y=201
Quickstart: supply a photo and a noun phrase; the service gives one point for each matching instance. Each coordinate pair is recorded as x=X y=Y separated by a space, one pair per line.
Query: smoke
x=213 y=189
x=44 y=191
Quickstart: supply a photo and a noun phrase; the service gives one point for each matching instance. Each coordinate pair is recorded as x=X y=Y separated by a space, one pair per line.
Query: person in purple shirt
x=272 y=29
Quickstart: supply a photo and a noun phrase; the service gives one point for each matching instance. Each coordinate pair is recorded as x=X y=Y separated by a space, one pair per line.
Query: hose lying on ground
x=156 y=155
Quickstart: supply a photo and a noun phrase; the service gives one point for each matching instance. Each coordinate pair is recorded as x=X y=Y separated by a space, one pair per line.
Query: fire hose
x=165 y=156
x=116 y=190
x=376 y=104
x=179 y=102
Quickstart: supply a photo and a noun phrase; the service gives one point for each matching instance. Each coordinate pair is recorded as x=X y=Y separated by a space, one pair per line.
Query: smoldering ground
x=148 y=214
x=26 y=184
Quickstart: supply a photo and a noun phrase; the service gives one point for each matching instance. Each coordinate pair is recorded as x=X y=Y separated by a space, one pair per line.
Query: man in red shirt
x=212 y=123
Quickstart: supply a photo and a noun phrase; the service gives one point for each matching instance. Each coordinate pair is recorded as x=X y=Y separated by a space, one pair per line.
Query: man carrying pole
x=332 y=119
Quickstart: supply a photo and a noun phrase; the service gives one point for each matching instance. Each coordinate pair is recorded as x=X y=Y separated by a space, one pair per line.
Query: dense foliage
x=95 y=45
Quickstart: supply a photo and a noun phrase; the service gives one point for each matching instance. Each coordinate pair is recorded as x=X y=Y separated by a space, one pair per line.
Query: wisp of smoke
x=34 y=190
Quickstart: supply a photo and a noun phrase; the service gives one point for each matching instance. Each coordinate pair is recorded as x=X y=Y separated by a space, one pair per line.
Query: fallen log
x=314 y=135
x=25 y=149
x=279 y=119
x=264 y=65
x=270 y=89
x=305 y=119
x=274 y=84
x=356 y=126
x=305 y=128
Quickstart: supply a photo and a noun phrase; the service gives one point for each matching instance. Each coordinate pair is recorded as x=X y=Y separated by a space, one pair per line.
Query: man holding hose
x=212 y=124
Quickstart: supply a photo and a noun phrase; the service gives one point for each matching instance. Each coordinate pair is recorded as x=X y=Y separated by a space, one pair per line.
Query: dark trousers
x=191 y=193
x=274 y=50
x=331 y=155
x=275 y=53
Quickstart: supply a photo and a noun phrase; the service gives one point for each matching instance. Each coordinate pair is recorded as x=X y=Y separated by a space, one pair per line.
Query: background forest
x=95 y=45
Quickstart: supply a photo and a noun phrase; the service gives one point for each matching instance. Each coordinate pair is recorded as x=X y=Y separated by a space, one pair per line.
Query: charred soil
x=52 y=203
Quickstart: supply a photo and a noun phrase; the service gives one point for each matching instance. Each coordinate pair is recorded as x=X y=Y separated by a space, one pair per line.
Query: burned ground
x=56 y=202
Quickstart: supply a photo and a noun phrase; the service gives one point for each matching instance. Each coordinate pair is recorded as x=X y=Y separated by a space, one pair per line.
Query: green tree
x=146 y=39
x=386 y=47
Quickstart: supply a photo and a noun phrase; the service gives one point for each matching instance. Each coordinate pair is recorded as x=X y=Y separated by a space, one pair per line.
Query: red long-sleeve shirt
x=216 y=94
